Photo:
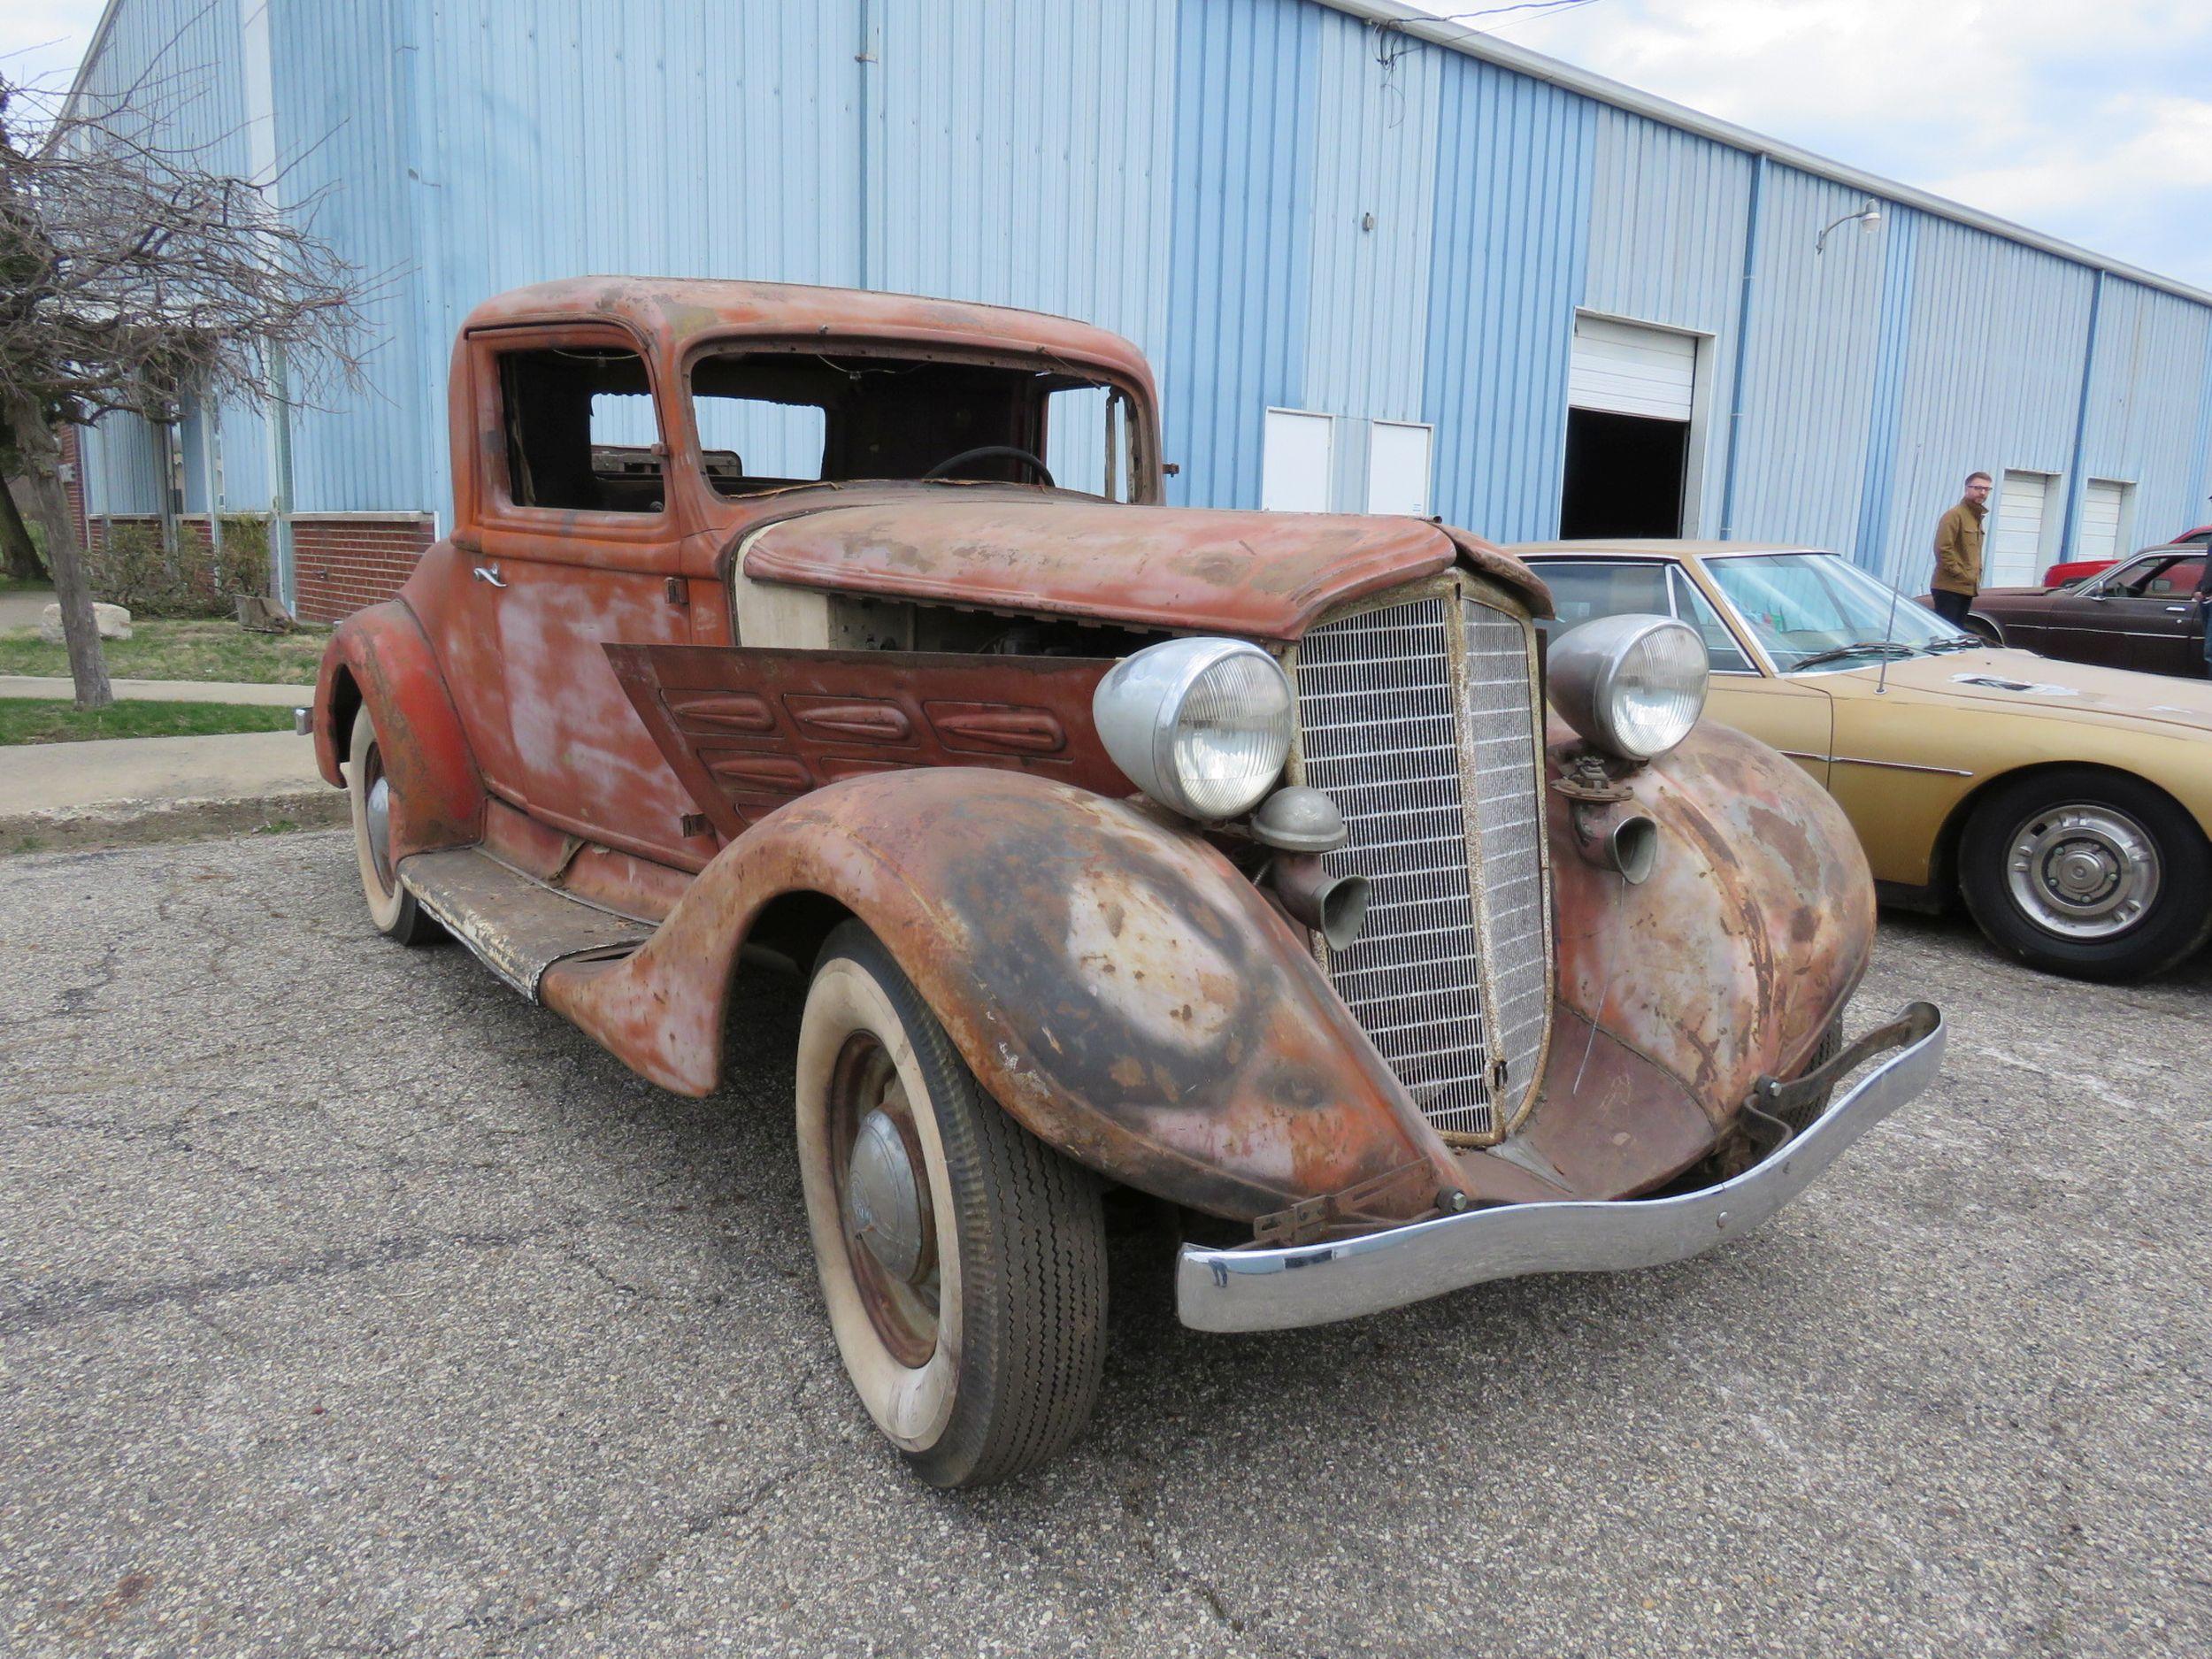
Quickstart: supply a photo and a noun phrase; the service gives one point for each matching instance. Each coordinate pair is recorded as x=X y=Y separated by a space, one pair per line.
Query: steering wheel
x=1009 y=451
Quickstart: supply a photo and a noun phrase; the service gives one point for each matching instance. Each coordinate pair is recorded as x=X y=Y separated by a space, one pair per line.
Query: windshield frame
x=1755 y=639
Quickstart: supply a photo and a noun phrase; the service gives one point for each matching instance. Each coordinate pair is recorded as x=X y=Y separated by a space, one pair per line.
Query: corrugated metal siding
x=1025 y=156
x=1891 y=366
x=2144 y=406
x=343 y=156
x=1997 y=333
x=1666 y=224
x=175 y=64
x=1512 y=212
x=1816 y=322
x=1374 y=154
x=1246 y=76
x=120 y=457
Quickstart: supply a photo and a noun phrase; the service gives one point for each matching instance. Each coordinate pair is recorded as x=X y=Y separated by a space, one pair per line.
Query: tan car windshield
x=1801 y=606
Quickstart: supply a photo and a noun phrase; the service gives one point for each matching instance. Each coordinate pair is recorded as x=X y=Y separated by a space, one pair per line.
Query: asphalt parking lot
x=347 y=1304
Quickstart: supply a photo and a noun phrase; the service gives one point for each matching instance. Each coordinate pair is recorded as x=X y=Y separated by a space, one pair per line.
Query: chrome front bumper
x=1312 y=1284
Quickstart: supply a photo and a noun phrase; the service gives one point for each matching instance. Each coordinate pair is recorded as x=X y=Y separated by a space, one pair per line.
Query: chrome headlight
x=1201 y=726
x=1633 y=686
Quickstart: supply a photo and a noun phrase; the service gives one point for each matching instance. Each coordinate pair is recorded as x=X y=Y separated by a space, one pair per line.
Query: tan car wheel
x=391 y=906
x=2087 y=873
x=963 y=1260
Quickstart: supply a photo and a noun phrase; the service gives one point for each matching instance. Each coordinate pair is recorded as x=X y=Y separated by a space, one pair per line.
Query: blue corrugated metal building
x=1413 y=267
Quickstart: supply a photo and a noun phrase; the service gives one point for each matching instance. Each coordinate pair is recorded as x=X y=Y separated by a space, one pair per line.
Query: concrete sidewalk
x=21 y=609
x=120 y=791
x=62 y=690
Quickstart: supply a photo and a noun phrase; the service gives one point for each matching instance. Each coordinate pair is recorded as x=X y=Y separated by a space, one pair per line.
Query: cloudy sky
x=2091 y=120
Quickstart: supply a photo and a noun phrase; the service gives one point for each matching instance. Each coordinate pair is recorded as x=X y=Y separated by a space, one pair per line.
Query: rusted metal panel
x=750 y=730
x=1117 y=987
x=1258 y=575
x=516 y=927
x=1753 y=929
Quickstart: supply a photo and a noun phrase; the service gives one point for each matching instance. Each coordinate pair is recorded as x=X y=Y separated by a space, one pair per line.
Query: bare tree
x=132 y=274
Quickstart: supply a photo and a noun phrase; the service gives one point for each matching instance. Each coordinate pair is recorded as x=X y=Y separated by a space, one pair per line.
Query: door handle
x=2179 y=610
x=489 y=574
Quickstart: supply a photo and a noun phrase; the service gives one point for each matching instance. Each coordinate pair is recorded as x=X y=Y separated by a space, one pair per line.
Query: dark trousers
x=1952 y=607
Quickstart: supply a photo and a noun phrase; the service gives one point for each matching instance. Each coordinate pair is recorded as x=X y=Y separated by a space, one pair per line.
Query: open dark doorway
x=1624 y=476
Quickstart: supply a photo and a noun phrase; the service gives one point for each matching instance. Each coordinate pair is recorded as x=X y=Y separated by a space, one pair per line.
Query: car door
x=2092 y=623
x=2169 y=639
x=577 y=548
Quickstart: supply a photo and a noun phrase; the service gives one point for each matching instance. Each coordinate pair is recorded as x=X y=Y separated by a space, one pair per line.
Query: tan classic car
x=2068 y=805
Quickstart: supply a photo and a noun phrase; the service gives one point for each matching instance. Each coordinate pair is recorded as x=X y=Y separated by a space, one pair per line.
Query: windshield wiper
x=1864 y=648
x=1969 y=643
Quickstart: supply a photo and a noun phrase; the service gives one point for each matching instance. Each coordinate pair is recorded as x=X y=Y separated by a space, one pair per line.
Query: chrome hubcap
x=2082 y=871
x=883 y=1192
x=378 y=810
x=883 y=1200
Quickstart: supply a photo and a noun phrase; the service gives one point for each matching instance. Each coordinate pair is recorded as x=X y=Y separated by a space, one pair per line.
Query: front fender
x=1117 y=987
x=1732 y=959
x=379 y=657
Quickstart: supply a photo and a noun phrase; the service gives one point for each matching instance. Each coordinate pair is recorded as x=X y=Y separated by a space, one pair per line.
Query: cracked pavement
x=350 y=1305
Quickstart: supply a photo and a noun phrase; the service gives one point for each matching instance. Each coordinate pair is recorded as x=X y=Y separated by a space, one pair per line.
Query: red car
x=2059 y=575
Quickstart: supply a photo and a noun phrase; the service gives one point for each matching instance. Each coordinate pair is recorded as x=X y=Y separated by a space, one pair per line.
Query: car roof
x=672 y=312
x=1649 y=545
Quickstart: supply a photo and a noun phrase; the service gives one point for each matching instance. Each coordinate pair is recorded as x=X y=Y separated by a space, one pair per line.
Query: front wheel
x=963 y=1260
x=2093 y=874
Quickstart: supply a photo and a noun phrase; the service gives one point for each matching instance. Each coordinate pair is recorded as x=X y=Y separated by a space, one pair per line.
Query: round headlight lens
x=1633 y=686
x=1658 y=691
x=1231 y=734
x=1202 y=726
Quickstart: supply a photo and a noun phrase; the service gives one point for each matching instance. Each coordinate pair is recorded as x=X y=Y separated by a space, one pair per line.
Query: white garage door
x=2103 y=511
x=1297 y=458
x=1621 y=369
x=2015 y=541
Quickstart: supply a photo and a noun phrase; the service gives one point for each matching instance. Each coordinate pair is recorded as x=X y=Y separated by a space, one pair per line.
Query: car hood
x=2021 y=680
x=1260 y=575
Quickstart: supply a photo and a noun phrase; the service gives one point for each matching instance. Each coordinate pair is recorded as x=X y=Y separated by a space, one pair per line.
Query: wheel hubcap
x=378 y=810
x=883 y=1195
x=883 y=1199
x=2082 y=871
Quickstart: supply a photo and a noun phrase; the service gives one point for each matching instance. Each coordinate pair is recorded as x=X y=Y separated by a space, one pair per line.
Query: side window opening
x=580 y=431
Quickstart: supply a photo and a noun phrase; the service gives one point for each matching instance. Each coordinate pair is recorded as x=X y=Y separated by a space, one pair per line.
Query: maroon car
x=2139 y=614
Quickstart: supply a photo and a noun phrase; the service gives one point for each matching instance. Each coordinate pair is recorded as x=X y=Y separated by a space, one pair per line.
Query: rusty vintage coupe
x=1225 y=858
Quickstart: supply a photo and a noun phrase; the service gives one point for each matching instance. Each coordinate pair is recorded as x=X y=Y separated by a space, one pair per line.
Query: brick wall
x=343 y=563
x=74 y=489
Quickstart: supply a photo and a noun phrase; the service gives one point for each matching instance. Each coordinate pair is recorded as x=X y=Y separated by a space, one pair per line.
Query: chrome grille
x=1508 y=826
x=1394 y=736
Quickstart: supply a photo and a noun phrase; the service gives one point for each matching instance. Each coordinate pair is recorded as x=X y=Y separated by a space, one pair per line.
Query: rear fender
x=379 y=658
x=1116 y=985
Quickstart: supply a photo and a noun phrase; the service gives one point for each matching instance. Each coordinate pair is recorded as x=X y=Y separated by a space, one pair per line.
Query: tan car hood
x=1260 y=575
x=2009 y=679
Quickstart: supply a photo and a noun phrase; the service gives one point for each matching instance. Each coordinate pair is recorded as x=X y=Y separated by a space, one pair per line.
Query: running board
x=515 y=924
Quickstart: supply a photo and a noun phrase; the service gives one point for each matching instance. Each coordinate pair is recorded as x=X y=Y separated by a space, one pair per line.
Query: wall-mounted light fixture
x=1869 y=217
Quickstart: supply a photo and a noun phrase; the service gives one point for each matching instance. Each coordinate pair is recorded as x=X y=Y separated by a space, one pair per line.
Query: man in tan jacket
x=1958 y=551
